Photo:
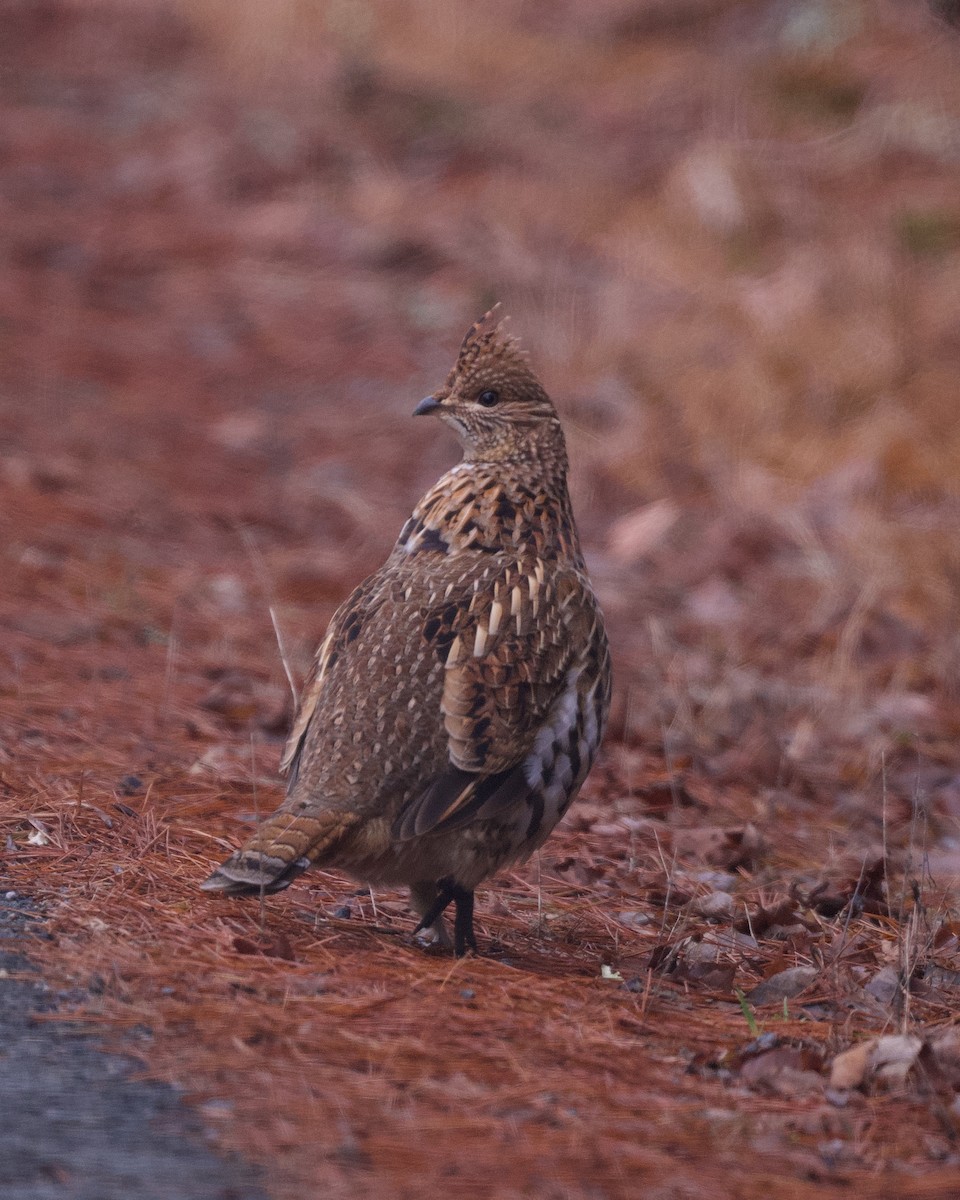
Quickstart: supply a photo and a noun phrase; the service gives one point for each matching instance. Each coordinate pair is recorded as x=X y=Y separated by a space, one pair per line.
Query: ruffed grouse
x=460 y=693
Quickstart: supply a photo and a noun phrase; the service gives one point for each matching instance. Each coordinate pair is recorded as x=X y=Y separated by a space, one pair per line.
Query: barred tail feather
x=250 y=872
x=283 y=847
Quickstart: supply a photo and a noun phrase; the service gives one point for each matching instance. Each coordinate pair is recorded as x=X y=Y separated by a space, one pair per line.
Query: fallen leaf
x=849 y=1068
x=886 y=1059
x=781 y=1072
x=893 y=1056
x=730 y=848
x=241 y=699
x=277 y=947
x=639 y=532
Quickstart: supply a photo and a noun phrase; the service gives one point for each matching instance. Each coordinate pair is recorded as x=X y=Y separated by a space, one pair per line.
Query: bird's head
x=492 y=399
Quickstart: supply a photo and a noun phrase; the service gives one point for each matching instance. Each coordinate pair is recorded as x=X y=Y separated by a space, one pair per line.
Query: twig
x=260 y=569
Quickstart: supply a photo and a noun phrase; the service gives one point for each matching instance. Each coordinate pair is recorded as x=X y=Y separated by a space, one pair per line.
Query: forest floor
x=731 y=245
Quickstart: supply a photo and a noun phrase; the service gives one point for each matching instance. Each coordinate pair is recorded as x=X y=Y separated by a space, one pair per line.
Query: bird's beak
x=428 y=404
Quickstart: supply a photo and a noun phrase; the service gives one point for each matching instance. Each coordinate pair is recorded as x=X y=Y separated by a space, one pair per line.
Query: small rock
x=228 y=593
x=718 y=881
x=634 y=918
x=715 y=906
x=763 y=1044
x=831 y=1152
x=782 y=986
x=217 y=1110
x=884 y=985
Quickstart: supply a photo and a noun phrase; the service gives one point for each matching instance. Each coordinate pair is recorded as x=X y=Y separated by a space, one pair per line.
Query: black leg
x=463 y=936
x=446 y=891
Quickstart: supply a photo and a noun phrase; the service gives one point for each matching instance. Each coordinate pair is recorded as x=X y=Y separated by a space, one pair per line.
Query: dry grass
x=343 y=1057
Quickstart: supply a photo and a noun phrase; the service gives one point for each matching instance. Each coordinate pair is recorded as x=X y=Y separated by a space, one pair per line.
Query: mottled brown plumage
x=460 y=694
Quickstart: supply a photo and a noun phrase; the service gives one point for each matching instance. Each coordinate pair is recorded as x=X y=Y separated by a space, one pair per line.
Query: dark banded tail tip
x=218 y=882
x=239 y=879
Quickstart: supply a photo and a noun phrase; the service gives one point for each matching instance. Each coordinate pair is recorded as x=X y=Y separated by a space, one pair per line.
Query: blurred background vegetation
x=242 y=238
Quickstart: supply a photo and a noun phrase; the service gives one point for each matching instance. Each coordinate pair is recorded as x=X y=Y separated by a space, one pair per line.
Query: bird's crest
x=486 y=341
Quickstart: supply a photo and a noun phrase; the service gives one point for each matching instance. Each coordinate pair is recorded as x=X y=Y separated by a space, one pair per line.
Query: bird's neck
x=497 y=507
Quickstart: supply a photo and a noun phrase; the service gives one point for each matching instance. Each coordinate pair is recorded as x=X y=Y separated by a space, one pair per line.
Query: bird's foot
x=432 y=919
x=435 y=938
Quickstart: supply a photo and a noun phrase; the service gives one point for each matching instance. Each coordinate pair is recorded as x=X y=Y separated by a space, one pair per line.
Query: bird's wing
x=344 y=627
x=513 y=652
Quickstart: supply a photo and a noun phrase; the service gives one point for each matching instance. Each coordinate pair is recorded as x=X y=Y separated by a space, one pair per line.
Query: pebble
x=634 y=918
x=715 y=906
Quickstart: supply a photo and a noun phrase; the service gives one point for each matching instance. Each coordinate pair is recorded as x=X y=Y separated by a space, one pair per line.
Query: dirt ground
x=239 y=243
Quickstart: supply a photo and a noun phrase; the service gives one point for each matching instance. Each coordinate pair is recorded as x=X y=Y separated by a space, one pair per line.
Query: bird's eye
x=488 y=399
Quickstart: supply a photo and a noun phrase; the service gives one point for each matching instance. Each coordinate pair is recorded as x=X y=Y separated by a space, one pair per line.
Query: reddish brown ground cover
x=236 y=253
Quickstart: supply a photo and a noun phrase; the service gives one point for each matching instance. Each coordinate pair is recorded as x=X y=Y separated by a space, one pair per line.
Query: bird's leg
x=429 y=900
x=463 y=935
x=447 y=891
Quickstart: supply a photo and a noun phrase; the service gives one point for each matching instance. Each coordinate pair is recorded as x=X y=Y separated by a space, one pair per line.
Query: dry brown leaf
x=636 y=534
x=783 y=1071
x=728 y=848
x=886 y=1059
x=849 y=1068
